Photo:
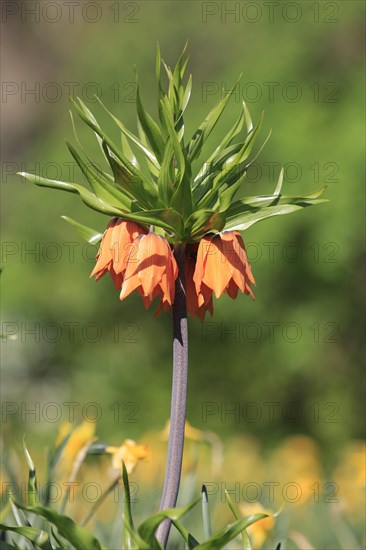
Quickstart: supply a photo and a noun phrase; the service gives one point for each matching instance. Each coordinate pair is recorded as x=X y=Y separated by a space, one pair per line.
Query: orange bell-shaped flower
x=198 y=303
x=115 y=249
x=151 y=270
x=222 y=266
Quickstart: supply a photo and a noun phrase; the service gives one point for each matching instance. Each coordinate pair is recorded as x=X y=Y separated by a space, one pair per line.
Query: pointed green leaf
x=127 y=151
x=104 y=175
x=242 y=214
x=38 y=536
x=166 y=175
x=152 y=166
x=100 y=186
x=205 y=129
x=149 y=126
x=125 y=131
x=217 y=154
x=203 y=221
x=176 y=88
x=246 y=543
x=182 y=199
x=141 y=189
x=78 y=536
x=245 y=151
x=232 y=169
x=187 y=94
x=127 y=516
x=273 y=200
x=117 y=152
x=248 y=119
x=277 y=191
x=226 y=197
x=61 y=544
x=139 y=543
x=32 y=496
x=207 y=531
x=90 y=235
x=18 y=514
x=160 y=88
x=166 y=218
x=187 y=536
x=169 y=120
x=87 y=196
x=89 y=116
x=224 y=536
x=149 y=526
x=260 y=149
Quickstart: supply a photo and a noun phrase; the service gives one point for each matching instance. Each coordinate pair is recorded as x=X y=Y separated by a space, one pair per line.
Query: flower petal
x=152 y=261
x=216 y=272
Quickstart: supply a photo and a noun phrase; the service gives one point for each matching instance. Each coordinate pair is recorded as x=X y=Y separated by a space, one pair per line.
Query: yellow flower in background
x=258 y=531
x=130 y=453
x=243 y=462
x=296 y=466
x=350 y=479
x=81 y=435
x=79 y=438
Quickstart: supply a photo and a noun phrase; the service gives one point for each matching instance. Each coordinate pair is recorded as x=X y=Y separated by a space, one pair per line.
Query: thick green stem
x=179 y=398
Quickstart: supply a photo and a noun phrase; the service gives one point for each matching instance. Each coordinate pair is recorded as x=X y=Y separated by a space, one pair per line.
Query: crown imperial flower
x=193 y=249
x=187 y=201
x=222 y=266
x=198 y=303
x=114 y=249
x=151 y=270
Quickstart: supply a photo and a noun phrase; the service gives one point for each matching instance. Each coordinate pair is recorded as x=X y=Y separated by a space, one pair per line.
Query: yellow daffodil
x=130 y=453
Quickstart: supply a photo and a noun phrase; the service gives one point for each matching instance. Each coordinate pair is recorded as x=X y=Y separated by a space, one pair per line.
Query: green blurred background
x=298 y=345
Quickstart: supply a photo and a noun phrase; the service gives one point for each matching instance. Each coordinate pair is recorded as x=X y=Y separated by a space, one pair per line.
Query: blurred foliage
x=308 y=267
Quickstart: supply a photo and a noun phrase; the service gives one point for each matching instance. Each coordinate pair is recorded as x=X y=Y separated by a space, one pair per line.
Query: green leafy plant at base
x=60 y=531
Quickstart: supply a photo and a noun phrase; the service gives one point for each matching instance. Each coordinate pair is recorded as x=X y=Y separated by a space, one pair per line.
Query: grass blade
x=206 y=514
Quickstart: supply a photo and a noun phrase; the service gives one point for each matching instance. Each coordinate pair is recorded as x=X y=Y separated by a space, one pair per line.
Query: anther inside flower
x=141 y=261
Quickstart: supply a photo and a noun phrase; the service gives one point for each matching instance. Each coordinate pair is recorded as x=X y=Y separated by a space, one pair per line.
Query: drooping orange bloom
x=151 y=270
x=222 y=266
x=198 y=303
x=142 y=261
x=115 y=249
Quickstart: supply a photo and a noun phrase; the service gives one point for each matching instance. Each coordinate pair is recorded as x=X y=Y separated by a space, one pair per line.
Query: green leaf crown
x=169 y=193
